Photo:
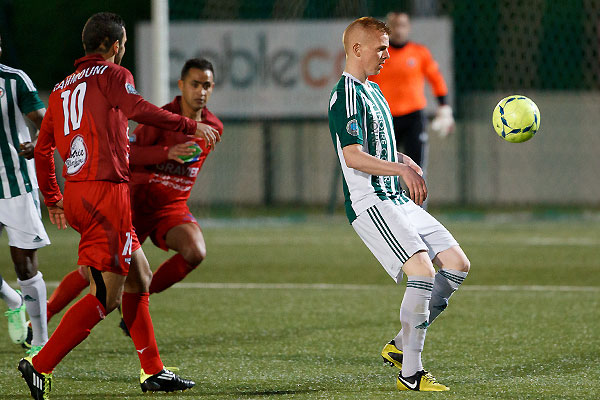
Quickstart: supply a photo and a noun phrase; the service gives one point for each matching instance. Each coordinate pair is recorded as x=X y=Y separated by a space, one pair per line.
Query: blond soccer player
x=402 y=236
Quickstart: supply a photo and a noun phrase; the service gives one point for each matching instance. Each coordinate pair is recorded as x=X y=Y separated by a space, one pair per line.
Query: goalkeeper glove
x=443 y=122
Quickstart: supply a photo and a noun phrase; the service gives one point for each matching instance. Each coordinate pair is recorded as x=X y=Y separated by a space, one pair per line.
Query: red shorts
x=156 y=224
x=100 y=211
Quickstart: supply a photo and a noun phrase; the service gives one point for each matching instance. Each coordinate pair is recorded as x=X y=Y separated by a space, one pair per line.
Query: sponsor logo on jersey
x=1 y=92
x=77 y=155
x=352 y=127
x=177 y=169
x=411 y=62
x=130 y=89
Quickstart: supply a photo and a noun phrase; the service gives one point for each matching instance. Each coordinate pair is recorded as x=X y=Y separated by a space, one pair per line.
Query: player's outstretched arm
x=145 y=150
x=121 y=93
x=359 y=160
x=156 y=154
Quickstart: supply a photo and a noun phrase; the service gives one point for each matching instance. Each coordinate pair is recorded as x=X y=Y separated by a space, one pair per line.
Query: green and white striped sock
x=414 y=316
x=446 y=282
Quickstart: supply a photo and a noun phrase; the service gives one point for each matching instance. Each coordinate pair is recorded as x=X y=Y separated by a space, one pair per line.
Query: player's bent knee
x=194 y=255
x=138 y=282
x=419 y=264
x=466 y=265
x=24 y=272
x=461 y=262
x=25 y=268
x=453 y=258
x=145 y=280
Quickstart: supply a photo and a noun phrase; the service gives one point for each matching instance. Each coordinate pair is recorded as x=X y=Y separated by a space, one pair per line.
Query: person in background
x=20 y=211
x=402 y=82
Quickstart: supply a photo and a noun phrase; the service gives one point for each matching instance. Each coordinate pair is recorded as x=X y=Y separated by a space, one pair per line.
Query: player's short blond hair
x=370 y=23
x=364 y=24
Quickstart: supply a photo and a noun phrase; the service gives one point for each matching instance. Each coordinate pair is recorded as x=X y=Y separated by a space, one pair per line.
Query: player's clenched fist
x=26 y=150
x=208 y=133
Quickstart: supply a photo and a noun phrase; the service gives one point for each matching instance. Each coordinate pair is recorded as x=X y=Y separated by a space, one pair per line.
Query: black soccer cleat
x=422 y=381
x=164 y=381
x=39 y=383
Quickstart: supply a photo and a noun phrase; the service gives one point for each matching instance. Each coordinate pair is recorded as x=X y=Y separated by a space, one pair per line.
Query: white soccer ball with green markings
x=516 y=118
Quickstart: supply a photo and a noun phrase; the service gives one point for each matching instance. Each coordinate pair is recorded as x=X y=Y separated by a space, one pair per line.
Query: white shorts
x=22 y=218
x=394 y=233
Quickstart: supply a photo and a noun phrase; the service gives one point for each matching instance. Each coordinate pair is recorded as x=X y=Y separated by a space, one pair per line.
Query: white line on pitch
x=345 y=286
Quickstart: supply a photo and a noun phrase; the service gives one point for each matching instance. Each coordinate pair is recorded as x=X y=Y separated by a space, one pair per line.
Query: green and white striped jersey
x=359 y=114
x=18 y=96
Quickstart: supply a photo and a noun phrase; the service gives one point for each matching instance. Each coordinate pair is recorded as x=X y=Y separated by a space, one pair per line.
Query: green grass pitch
x=525 y=325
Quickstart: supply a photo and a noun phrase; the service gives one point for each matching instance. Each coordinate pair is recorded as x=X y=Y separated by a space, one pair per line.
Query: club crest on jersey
x=1 y=92
x=352 y=127
x=77 y=155
x=130 y=89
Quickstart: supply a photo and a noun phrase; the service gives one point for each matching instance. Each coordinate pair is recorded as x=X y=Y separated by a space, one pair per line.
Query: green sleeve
x=346 y=119
x=28 y=100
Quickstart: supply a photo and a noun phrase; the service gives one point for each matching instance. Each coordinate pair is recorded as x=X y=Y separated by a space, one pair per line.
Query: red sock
x=74 y=327
x=169 y=273
x=68 y=289
x=136 y=315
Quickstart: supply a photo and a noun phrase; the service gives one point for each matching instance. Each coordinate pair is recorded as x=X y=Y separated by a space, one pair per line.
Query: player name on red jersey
x=86 y=73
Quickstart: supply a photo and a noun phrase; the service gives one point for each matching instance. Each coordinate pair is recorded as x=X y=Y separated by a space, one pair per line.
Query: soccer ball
x=516 y=118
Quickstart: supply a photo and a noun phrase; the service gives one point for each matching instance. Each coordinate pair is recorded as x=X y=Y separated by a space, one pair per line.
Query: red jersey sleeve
x=432 y=72
x=144 y=149
x=44 y=161
x=121 y=93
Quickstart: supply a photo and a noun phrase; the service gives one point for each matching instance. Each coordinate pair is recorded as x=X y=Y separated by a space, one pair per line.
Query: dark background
x=43 y=37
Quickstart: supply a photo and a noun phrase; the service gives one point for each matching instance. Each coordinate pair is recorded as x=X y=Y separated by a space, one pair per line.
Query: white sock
x=445 y=284
x=9 y=295
x=34 y=293
x=414 y=316
x=398 y=340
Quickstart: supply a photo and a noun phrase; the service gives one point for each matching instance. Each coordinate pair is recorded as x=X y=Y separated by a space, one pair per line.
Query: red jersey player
x=160 y=187
x=87 y=120
x=161 y=182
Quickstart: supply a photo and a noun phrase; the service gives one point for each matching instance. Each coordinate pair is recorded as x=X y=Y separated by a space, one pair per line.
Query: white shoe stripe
x=37 y=382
